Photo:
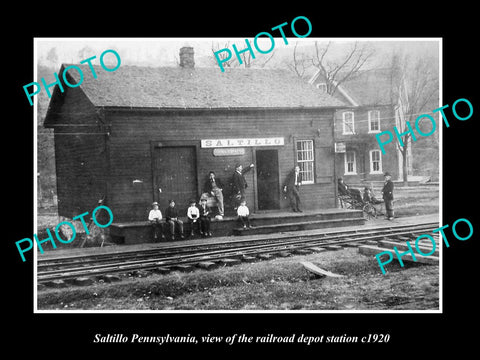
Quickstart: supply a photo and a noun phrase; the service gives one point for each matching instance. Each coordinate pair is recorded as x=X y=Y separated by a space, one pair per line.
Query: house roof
x=370 y=87
x=366 y=88
x=198 y=88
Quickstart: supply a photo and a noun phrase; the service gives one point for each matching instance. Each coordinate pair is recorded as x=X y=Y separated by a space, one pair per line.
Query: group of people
x=199 y=217
x=368 y=196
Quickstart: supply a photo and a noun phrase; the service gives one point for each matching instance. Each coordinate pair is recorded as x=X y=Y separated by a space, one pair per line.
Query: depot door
x=175 y=173
x=267 y=179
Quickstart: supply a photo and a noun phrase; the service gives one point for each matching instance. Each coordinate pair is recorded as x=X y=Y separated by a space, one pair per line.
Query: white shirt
x=243 y=210
x=155 y=214
x=193 y=210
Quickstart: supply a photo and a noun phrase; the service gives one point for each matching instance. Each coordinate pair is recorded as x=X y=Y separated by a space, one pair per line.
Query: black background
x=412 y=334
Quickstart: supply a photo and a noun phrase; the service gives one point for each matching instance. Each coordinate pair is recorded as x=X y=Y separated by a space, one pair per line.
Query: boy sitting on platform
x=193 y=214
x=155 y=218
x=204 y=218
x=243 y=214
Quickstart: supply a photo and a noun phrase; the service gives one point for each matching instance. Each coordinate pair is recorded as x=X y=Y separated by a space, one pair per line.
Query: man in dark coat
x=171 y=216
x=388 y=195
x=344 y=189
x=292 y=188
x=239 y=183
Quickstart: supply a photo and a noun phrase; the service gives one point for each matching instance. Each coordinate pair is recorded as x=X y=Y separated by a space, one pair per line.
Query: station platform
x=262 y=223
x=119 y=248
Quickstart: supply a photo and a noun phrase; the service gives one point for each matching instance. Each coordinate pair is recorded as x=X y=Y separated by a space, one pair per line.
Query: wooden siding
x=81 y=154
x=135 y=133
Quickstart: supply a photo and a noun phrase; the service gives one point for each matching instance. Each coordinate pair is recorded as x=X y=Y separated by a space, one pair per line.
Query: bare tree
x=221 y=55
x=335 y=72
x=414 y=85
x=301 y=62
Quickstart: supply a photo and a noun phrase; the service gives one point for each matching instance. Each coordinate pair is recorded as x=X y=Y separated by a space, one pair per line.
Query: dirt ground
x=278 y=284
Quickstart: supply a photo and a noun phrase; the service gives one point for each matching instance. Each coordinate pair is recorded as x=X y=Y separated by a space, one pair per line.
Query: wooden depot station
x=126 y=135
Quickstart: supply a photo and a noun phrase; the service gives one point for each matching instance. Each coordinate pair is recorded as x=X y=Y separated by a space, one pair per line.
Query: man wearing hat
x=239 y=182
x=388 y=195
x=155 y=218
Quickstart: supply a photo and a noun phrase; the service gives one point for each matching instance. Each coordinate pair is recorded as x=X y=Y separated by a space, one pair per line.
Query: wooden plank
x=318 y=271
x=374 y=250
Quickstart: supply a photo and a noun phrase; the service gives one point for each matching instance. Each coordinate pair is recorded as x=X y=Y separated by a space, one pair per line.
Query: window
x=305 y=160
x=350 y=163
x=374 y=121
x=348 y=123
x=375 y=162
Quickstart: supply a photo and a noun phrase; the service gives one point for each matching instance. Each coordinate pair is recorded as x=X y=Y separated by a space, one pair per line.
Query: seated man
x=155 y=218
x=344 y=189
x=171 y=215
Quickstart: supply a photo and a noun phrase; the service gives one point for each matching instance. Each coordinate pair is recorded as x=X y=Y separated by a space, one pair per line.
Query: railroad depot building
x=143 y=134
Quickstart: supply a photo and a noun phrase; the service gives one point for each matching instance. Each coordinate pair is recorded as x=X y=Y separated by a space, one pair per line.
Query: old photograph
x=276 y=174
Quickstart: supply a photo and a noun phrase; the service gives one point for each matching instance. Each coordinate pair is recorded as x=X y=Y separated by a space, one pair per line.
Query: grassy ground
x=414 y=200
x=279 y=284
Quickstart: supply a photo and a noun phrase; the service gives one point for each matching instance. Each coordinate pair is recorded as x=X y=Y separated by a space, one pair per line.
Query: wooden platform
x=263 y=223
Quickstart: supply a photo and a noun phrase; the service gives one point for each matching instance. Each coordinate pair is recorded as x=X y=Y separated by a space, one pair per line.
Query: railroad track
x=182 y=257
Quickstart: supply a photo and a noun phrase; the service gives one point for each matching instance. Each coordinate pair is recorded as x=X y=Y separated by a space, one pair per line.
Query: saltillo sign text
x=222 y=143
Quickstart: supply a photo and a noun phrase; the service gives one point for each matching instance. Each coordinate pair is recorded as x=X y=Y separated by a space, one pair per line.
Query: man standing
x=239 y=183
x=292 y=188
x=214 y=187
x=388 y=195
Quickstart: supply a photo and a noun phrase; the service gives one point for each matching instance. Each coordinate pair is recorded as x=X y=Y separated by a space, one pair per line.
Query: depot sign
x=224 y=143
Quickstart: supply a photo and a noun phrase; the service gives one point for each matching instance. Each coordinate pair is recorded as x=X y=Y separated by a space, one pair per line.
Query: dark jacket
x=171 y=213
x=238 y=181
x=290 y=181
x=204 y=212
x=343 y=188
x=208 y=184
x=388 y=190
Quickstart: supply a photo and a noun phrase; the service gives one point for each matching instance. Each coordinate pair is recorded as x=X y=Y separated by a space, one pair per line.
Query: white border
x=279 y=43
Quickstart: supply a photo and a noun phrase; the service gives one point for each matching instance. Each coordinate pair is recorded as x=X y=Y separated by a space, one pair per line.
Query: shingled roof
x=198 y=88
x=370 y=87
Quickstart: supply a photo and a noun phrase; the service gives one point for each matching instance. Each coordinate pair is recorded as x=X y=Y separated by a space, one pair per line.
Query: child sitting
x=155 y=218
x=369 y=197
x=243 y=214
x=193 y=214
x=204 y=218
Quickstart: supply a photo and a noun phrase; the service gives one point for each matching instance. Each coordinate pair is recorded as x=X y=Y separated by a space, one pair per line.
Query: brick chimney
x=186 y=57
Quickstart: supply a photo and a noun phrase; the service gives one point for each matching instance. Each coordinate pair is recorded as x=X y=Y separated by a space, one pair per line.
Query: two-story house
x=369 y=109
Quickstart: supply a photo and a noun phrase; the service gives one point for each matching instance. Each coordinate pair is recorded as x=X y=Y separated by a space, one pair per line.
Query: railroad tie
x=207 y=265
x=230 y=262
